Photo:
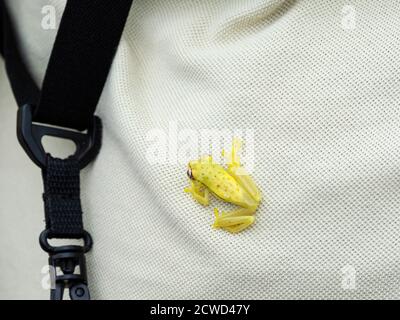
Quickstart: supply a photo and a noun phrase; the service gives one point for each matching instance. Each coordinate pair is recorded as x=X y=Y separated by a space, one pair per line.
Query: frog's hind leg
x=240 y=174
x=234 y=221
x=198 y=192
x=246 y=181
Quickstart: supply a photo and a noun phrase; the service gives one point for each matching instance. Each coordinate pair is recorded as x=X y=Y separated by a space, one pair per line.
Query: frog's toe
x=233 y=224
x=216 y=214
x=238 y=228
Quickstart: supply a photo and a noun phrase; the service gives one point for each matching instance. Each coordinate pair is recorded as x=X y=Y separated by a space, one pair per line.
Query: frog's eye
x=189 y=173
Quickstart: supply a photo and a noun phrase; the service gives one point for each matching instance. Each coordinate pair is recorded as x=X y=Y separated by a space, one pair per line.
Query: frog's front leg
x=234 y=221
x=198 y=192
x=236 y=169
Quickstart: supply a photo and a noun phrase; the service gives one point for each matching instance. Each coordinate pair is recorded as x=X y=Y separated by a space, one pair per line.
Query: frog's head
x=196 y=168
x=192 y=169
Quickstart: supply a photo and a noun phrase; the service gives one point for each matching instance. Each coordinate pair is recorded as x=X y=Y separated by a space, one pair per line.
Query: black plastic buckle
x=30 y=135
x=66 y=259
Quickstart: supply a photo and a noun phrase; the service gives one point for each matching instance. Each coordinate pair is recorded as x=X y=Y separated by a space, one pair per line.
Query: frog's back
x=222 y=184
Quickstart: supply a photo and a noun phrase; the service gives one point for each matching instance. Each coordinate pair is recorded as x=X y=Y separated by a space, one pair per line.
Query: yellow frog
x=232 y=184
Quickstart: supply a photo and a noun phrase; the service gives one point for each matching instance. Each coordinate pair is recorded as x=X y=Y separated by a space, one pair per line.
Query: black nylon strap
x=22 y=84
x=82 y=54
x=61 y=197
x=85 y=45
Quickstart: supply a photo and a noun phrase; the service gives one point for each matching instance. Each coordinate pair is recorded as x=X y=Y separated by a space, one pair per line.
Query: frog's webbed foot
x=234 y=221
x=232 y=158
x=198 y=192
x=236 y=169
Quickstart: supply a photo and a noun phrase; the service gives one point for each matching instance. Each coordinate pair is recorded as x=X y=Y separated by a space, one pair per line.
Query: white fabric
x=317 y=82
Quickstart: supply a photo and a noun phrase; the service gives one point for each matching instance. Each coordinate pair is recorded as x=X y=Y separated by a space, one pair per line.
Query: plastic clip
x=67 y=268
x=30 y=135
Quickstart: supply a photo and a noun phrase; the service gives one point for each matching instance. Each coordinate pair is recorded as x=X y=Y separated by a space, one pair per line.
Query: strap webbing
x=85 y=45
x=87 y=39
x=61 y=197
x=22 y=84
x=82 y=54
